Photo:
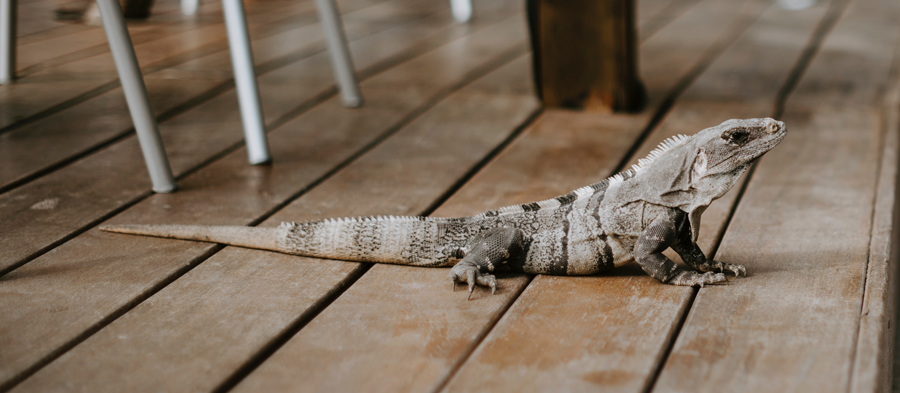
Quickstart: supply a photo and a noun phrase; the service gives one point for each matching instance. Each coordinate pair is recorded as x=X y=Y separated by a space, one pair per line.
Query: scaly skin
x=632 y=216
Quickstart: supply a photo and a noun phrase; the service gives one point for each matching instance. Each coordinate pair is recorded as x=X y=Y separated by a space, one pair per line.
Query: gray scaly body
x=632 y=216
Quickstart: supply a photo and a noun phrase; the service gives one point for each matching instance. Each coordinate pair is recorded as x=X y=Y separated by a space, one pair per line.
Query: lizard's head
x=726 y=150
x=690 y=172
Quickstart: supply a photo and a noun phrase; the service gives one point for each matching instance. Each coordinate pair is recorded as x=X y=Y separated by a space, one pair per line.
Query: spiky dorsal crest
x=551 y=203
x=587 y=191
x=342 y=220
x=663 y=147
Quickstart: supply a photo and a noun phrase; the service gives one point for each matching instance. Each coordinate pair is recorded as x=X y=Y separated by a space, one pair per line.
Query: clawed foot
x=689 y=278
x=737 y=270
x=464 y=273
x=721 y=267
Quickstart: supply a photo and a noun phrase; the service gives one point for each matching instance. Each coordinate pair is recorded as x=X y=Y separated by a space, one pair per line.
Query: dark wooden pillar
x=136 y=9
x=585 y=54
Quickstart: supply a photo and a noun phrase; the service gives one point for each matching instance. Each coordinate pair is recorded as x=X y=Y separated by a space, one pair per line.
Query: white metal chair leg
x=7 y=41
x=462 y=10
x=341 y=62
x=245 y=82
x=136 y=95
x=189 y=7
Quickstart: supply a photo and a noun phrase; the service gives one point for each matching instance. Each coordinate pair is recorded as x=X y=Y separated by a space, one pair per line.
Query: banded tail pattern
x=405 y=240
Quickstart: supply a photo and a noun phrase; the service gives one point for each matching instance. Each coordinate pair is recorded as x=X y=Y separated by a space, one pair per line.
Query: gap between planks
x=179 y=151
x=65 y=84
x=167 y=103
x=262 y=69
x=680 y=110
x=791 y=332
x=326 y=327
x=385 y=161
x=875 y=346
x=391 y=76
x=836 y=7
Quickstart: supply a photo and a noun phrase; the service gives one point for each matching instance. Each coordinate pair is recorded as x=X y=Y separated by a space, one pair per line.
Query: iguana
x=632 y=216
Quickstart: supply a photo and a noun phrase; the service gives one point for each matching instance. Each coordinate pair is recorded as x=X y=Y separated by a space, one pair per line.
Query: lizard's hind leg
x=487 y=251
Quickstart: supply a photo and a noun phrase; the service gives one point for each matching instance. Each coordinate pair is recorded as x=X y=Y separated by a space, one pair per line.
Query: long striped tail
x=400 y=240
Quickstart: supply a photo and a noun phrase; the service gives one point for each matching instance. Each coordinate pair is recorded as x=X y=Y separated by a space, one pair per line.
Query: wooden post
x=585 y=54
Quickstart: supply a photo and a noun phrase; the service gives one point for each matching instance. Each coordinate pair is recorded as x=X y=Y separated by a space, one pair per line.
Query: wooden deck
x=450 y=127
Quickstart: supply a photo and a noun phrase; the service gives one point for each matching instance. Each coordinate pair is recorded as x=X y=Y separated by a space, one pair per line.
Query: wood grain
x=61 y=136
x=246 y=298
x=610 y=333
x=873 y=360
x=48 y=141
x=586 y=54
x=803 y=230
x=383 y=347
x=203 y=132
x=653 y=19
x=57 y=300
x=193 y=72
x=44 y=53
x=45 y=74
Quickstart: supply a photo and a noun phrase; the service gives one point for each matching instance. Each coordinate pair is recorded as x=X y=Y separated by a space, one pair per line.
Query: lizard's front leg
x=693 y=256
x=648 y=252
x=488 y=251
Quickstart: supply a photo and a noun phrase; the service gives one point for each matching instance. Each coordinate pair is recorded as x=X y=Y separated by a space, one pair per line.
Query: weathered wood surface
x=380 y=340
x=44 y=66
x=610 y=333
x=872 y=362
x=37 y=54
x=654 y=15
x=285 y=91
x=118 y=313
x=50 y=310
x=803 y=229
x=271 y=291
x=32 y=147
x=51 y=141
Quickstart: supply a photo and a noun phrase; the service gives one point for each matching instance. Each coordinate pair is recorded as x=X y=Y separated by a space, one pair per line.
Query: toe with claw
x=737 y=270
x=470 y=274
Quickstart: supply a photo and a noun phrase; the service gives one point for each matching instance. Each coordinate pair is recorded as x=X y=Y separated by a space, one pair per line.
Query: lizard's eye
x=772 y=127
x=735 y=136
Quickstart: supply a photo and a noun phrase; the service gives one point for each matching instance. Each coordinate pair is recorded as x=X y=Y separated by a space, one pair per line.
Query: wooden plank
x=873 y=360
x=28 y=232
x=653 y=19
x=31 y=95
x=306 y=82
x=37 y=19
x=38 y=88
x=154 y=51
x=64 y=296
x=44 y=144
x=182 y=328
x=38 y=55
x=35 y=16
x=649 y=9
x=401 y=329
x=610 y=333
x=31 y=54
x=383 y=341
x=803 y=230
